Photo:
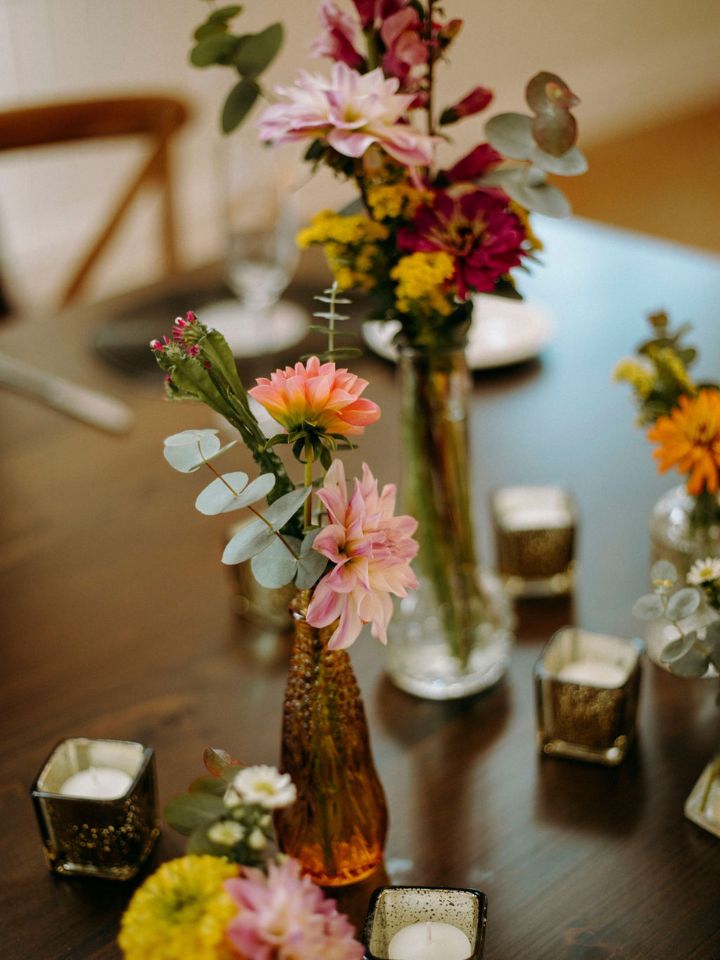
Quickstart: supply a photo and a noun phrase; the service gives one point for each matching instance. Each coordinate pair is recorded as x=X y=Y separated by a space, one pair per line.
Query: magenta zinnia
x=319 y=396
x=371 y=550
x=284 y=916
x=477 y=229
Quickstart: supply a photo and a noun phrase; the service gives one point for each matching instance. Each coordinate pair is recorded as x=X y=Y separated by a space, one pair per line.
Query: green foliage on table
x=248 y=54
x=695 y=650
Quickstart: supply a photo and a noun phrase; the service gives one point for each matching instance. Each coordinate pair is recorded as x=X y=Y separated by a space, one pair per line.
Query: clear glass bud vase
x=338 y=824
x=452 y=636
x=684 y=528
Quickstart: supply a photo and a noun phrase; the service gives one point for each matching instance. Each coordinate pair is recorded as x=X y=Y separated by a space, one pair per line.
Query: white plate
x=503 y=331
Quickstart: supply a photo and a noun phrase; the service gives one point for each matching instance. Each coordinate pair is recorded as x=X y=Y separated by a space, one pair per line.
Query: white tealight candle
x=429 y=941
x=596 y=673
x=97 y=783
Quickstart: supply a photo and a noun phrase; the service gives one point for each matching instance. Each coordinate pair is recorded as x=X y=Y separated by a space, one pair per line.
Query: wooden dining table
x=117 y=621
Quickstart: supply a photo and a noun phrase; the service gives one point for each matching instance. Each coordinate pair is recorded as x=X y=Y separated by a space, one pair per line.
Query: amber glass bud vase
x=337 y=826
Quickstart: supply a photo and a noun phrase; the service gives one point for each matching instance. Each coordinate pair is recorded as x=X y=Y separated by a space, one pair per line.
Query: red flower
x=338 y=38
x=373 y=12
x=483 y=236
x=473 y=102
x=474 y=164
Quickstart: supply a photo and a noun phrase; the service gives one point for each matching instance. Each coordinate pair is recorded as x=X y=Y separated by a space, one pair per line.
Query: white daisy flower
x=226 y=833
x=704 y=571
x=265 y=786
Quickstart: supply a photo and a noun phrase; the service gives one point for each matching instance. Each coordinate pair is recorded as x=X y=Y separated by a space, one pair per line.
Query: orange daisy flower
x=689 y=440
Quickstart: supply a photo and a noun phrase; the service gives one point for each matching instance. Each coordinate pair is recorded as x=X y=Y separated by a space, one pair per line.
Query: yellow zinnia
x=689 y=440
x=181 y=912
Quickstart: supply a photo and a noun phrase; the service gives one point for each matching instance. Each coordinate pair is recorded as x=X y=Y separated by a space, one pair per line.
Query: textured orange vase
x=337 y=826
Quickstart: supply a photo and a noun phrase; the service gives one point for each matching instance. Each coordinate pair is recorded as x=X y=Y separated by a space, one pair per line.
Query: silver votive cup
x=535 y=530
x=586 y=692
x=95 y=836
x=394 y=908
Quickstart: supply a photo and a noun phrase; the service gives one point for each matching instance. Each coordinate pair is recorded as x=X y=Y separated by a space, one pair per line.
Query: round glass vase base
x=419 y=659
x=673 y=536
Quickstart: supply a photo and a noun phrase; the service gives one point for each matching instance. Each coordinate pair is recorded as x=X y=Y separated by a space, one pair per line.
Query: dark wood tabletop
x=117 y=622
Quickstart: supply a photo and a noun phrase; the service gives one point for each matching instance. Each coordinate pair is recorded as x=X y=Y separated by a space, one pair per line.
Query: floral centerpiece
x=232 y=897
x=683 y=420
x=420 y=240
x=345 y=551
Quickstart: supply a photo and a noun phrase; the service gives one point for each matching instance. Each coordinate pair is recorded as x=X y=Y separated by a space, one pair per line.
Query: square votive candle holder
x=535 y=529
x=586 y=691
x=96 y=806
x=425 y=923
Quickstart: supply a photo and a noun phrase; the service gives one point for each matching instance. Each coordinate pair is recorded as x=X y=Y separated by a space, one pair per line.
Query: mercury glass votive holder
x=586 y=692
x=534 y=531
x=703 y=804
x=110 y=831
x=393 y=909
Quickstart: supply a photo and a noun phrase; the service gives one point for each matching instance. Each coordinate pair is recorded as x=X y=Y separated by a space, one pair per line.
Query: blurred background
x=647 y=74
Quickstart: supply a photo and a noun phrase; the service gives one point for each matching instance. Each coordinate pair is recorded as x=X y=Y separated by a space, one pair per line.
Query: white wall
x=630 y=63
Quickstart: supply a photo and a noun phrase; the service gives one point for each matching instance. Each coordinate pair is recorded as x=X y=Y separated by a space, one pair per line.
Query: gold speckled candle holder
x=97 y=837
x=393 y=908
x=586 y=691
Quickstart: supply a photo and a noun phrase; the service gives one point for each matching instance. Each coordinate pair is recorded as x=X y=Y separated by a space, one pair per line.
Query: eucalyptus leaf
x=186 y=437
x=279 y=512
x=222 y=494
x=217 y=48
x=258 y=51
x=540 y=198
x=310 y=569
x=276 y=566
x=569 y=164
x=238 y=104
x=663 y=576
x=191 y=456
x=209 y=29
x=693 y=664
x=648 y=607
x=511 y=135
x=677 y=649
x=682 y=604
x=191 y=810
x=249 y=540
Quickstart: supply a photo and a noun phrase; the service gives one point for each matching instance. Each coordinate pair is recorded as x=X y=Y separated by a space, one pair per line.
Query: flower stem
x=307 y=516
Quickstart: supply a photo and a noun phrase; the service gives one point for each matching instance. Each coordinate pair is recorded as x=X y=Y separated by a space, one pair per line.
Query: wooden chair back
x=156 y=118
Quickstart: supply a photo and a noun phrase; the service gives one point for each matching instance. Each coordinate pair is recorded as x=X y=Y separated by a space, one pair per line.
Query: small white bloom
x=704 y=571
x=265 y=786
x=257 y=839
x=231 y=799
x=226 y=833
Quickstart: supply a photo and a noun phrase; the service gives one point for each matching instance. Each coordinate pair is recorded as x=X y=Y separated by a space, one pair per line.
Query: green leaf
x=223 y=14
x=683 y=604
x=570 y=164
x=212 y=785
x=275 y=566
x=279 y=512
x=694 y=664
x=192 y=810
x=209 y=29
x=312 y=564
x=218 y=498
x=250 y=539
x=217 y=48
x=649 y=607
x=258 y=51
x=511 y=135
x=199 y=842
x=218 y=761
x=541 y=198
x=677 y=649
x=663 y=576
x=238 y=104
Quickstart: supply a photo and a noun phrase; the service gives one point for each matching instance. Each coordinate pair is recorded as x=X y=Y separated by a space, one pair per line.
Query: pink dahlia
x=284 y=916
x=337 y=41
x=317 y=395
x=479 y=231
x=371 y=550
x=351 y=111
